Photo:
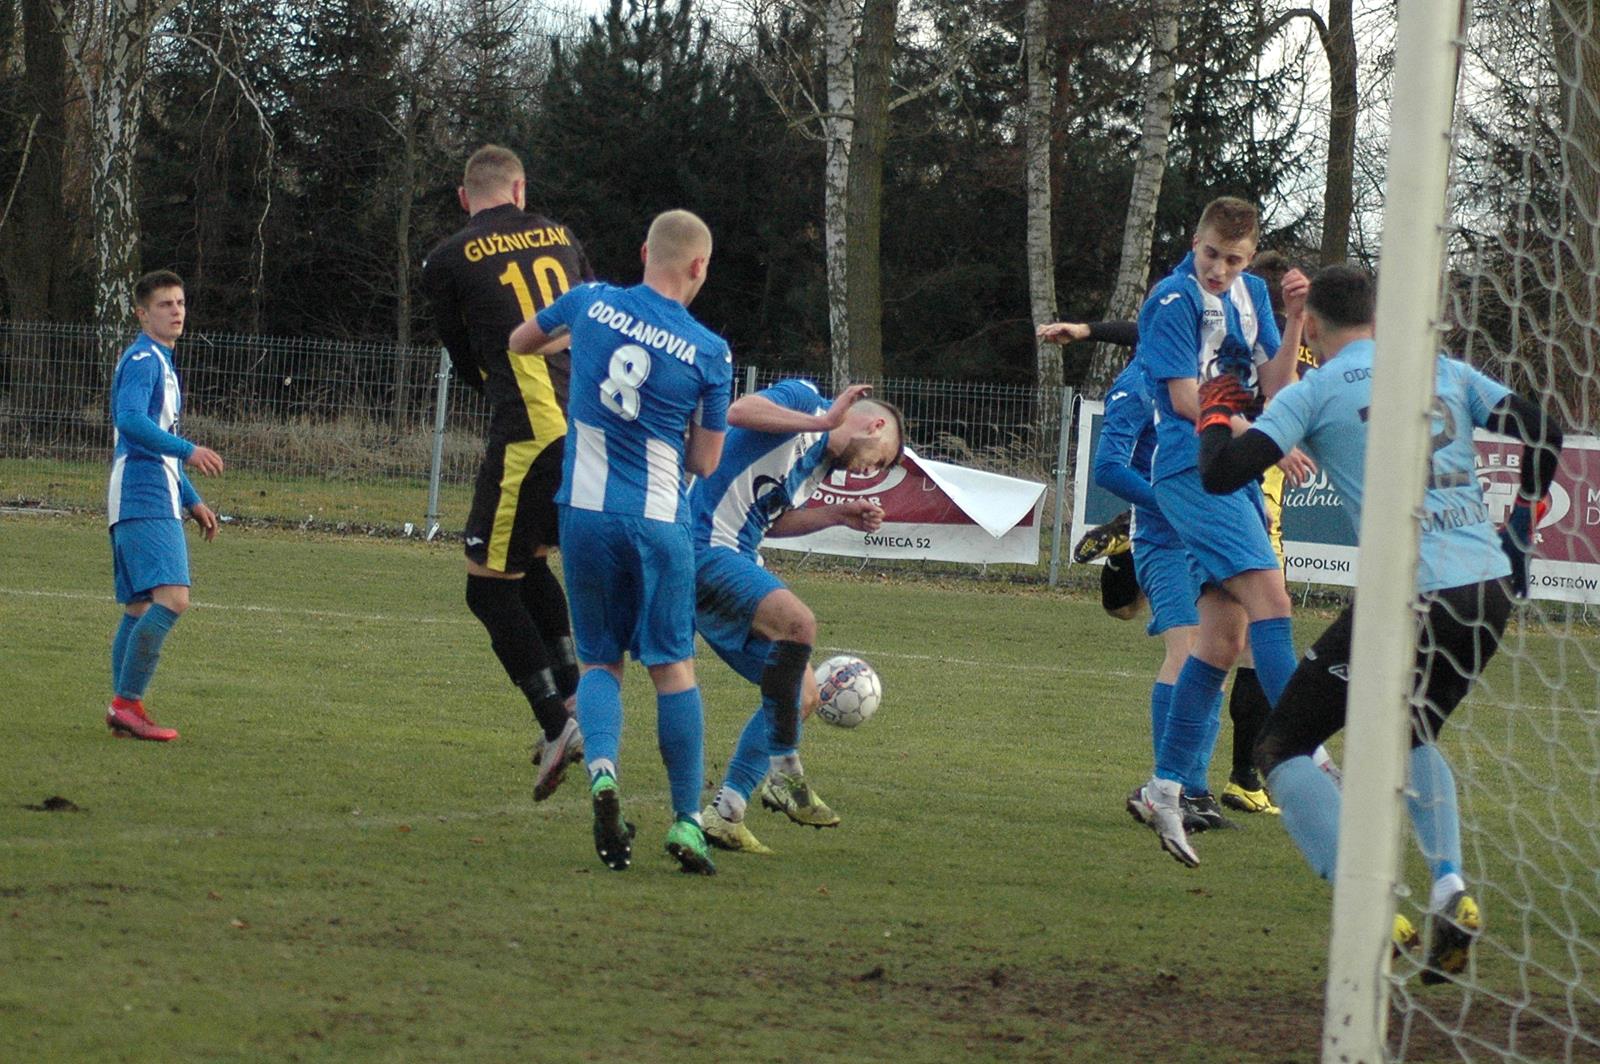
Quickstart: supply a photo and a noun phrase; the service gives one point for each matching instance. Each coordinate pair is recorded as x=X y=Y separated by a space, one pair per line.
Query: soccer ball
x=850 y=691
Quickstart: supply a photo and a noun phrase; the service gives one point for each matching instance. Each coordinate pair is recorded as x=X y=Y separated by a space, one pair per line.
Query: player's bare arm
x=703 y=451
x=859 y=514
x=1282 y=370
x=1063 y=332
x=529 y=339
x=760 y=414
x=1185 y=395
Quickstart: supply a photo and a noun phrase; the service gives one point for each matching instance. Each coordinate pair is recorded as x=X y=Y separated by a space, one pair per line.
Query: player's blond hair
x=1231 y=218
x=676 y=237
x=491 y=169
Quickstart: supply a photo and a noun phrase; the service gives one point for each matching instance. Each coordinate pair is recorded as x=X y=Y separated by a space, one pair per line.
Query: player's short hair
x=677 y=236
x=1231 y=218
x=1270 y=266
x=893 y=413
x=1343 y=296
x=491 y=169
x=151 y=283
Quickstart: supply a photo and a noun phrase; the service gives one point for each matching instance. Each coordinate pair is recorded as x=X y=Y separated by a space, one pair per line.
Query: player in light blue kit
x=1210 y=318
x=1463 y=598
x=783 y=442
x=148 y=496
x=648 y=400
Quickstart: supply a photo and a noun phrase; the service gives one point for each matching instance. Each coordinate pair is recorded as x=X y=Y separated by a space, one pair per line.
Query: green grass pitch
x=341 y=859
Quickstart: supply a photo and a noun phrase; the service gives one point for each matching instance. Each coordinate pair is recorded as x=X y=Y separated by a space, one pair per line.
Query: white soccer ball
x=850 y=691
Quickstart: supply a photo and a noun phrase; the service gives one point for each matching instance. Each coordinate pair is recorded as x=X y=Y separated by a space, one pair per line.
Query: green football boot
x=727 y=834
x=613 y=836
x=687 y=842
x=792 y=796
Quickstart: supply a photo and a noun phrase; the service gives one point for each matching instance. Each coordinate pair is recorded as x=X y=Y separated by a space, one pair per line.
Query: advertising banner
x=935 y=511
x=1319 y=539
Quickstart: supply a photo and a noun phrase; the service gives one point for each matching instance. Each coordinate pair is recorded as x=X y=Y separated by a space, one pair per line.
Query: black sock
x=546 y=603
x=1248 y=709
x=781 y=683
x=498 y=604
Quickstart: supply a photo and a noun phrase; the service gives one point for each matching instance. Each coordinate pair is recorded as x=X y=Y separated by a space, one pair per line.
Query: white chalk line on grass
x=302 y=611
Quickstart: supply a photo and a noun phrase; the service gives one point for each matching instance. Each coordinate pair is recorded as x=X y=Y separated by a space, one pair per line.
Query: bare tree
x=106 y=45
x=1138 y=228
x=1039 y=56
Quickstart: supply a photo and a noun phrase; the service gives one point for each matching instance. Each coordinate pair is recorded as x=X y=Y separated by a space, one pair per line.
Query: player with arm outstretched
x=1209 y=318
x=501 y=268
x=148 y=497
x=1463 y=598
x=782 y=442
x=649 y=400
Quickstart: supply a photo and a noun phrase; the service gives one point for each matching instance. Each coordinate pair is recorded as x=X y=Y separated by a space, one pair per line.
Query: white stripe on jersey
x=590 y=468
x=735 y=510
x=664 y=480
x=114 y=491
x=1214 y=327
x=169 y=466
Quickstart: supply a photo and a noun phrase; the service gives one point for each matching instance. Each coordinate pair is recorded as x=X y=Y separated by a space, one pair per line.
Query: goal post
x=1410 y=268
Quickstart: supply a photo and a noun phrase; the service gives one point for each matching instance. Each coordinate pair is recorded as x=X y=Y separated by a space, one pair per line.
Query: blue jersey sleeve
x=565 y=310
x=1127 y=414
x=796 y=394
x=1169 y=337
x=1484 y=393
x=716 y=392
x=1292 y=414
x=137 y=381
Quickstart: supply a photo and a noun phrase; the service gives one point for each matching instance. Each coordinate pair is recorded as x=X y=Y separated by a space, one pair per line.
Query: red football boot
x=128 y=720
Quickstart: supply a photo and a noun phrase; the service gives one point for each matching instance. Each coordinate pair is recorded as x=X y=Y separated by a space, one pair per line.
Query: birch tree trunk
x=1138 y=226
x=1039 y=57
x=864 y=196
x=841 y=20
x=106 y=42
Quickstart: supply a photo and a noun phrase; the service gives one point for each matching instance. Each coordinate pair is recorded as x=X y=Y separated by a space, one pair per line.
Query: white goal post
x=1384 y=641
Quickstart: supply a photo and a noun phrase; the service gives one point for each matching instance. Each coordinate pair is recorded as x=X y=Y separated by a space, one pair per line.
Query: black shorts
x=1456 y=637
x=1119 y=584
x=514 y=503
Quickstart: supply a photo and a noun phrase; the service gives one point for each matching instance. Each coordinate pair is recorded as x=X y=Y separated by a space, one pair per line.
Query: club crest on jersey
x=1167 y=299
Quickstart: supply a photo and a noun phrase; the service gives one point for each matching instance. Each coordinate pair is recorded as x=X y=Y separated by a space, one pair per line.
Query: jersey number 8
x=630 y=365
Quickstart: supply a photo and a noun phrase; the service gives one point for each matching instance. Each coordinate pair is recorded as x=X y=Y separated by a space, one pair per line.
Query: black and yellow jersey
x=501 y=269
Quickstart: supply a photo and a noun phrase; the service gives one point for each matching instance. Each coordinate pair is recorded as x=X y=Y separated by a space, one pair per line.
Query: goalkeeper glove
x=1221 y=398
x=1516 y=539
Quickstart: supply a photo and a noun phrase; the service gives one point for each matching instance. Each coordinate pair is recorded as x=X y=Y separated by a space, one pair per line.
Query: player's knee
x=174 y=597
x=799 y=624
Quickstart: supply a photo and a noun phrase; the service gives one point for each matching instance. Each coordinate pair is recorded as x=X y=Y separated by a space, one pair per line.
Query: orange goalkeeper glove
x=1221 y=398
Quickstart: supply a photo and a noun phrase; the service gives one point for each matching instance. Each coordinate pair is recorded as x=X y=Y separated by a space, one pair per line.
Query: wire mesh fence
x=365 y=413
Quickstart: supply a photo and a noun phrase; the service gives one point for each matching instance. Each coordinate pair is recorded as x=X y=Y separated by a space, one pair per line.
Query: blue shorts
x=1170 y=579
x=630 y=587
x=147 y=552
x=1226 y=534
x=728 y=586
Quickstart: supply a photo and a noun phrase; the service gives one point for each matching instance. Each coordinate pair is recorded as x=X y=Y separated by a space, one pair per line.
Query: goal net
x=1521 y=301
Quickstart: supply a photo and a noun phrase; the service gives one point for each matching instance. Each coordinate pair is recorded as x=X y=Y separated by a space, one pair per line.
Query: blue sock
x=1198 y=687
x=1431 y=801
x=749 y=762
x=143 y=650
x=600 y=715
x=1160 y=707
x=680 y=732
x=1272 y=646
x=1196 y=781
x=119 y=647
x=1310 y=804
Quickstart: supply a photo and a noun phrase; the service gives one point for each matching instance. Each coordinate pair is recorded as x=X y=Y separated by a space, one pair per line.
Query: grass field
x=341 y=859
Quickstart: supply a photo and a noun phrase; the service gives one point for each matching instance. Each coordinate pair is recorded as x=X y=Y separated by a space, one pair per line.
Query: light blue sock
x=1160 y=707
x=119 y=647
x=143 y=650
x=680 y=733
x=1431 y=801
x=600 y=715
x=1193 y=696
x=1310 y=804
x=1197 y=780
x=748 y=765
x=1272 y=646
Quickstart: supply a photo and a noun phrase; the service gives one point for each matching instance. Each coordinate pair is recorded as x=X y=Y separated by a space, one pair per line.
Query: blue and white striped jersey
x=761 y=475
x=1185 y=331
x=642 y=369
x=147 y=478
x=1327 y=414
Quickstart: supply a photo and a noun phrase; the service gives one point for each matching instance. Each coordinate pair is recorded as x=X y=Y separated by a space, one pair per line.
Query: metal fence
x=371 y=411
